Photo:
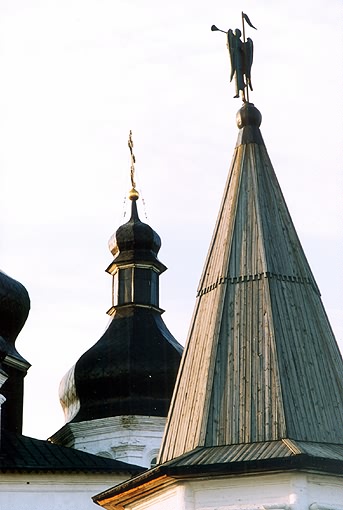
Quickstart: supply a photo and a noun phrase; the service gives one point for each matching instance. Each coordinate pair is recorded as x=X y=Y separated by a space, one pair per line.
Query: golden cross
x=133 y=160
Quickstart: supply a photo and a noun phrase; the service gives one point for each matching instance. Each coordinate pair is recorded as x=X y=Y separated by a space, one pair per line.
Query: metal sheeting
x=228 y=460
x=22 y=453
x=234 y=453
x=321 y=450
x=257 y=451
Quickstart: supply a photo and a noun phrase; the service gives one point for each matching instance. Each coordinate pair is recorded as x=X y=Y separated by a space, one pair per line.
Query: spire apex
x=248 y=119
x=248 y=115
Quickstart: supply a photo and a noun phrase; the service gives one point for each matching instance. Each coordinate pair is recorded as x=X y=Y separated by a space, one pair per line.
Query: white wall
x=169 y=499
x=131 y=439
x=52 y=491
x=283 y=491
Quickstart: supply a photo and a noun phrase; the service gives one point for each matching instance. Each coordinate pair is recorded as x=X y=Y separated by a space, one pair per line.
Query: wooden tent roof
x=261 y=362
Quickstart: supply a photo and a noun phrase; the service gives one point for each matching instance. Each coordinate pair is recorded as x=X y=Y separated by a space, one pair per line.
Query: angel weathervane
x=241 y=55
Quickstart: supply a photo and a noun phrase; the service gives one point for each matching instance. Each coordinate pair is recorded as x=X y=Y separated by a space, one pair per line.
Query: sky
x=76 y=76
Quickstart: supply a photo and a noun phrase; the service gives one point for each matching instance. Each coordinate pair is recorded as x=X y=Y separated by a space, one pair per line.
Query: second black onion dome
x=132 y=369
x=14 y=310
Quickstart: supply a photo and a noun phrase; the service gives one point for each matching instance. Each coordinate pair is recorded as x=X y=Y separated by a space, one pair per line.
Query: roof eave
x=167 y=474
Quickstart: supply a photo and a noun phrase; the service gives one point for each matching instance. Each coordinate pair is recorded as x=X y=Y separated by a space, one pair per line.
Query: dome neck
x=134 y=211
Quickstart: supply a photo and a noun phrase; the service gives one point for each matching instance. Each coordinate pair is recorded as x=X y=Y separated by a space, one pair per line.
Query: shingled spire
x=261 y=363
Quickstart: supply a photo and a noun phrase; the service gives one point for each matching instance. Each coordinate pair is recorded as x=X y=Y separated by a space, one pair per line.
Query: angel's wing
x=232 y=47
x=248 y=50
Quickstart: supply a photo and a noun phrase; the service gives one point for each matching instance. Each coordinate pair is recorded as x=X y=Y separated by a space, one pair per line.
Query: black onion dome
x=131 y=370
x=14 y=310
x=135 y=240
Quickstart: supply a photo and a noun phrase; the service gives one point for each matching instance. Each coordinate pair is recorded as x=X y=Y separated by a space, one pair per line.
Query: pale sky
x=76 y=76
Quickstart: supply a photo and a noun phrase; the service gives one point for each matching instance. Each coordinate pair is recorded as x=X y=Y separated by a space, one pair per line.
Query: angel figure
x=241 y=56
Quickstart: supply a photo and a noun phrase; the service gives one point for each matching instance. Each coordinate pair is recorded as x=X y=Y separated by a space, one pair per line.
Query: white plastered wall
x=281 y=491
x=131 y=439
x=52 y=491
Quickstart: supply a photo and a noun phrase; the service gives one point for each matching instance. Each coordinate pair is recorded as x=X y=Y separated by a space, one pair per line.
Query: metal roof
x=261 y=362
x=22 y=453
x=257 y=452
x=271 y=456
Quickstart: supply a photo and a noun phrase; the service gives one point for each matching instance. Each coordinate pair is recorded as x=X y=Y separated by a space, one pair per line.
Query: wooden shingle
x=261 y=363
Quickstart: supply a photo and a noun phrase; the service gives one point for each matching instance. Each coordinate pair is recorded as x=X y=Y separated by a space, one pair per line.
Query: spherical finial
x=133 y=194
x=248 y=115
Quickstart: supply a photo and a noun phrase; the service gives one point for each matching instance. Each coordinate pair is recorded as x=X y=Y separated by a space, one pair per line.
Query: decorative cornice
x=20 y=364
x=111 y=311
x=107 y=426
